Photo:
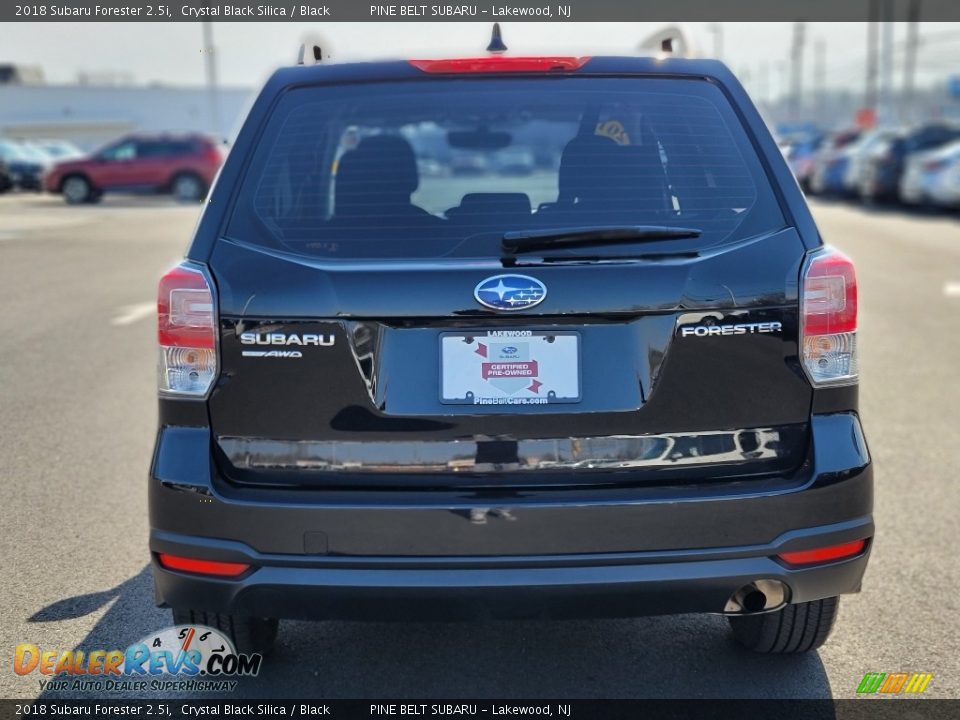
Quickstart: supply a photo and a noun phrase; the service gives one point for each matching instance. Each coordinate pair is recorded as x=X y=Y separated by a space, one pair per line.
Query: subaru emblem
x=510 y=292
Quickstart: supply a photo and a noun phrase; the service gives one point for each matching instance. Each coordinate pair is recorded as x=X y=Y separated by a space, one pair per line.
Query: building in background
x=94 y=113
x=20 y=74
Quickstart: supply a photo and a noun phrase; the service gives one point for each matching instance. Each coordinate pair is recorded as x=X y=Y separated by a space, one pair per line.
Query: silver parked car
x=933 y=177
x=859 y=154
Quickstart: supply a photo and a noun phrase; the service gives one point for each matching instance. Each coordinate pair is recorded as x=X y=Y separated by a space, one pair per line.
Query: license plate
x=509 y=367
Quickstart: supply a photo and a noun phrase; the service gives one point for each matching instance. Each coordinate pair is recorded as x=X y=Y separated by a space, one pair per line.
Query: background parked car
x=830 y=163
x=880 y=180
x=516 y=162
x=60 y=150
x=468 y=164
x=25 y=163
x=859 y=154
x=6 y=182
x=800 y=152
x=911 y=180
x=183 y=166
x=933 y=177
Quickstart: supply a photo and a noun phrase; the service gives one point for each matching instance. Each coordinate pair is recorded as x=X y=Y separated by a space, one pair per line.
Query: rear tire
x=794 y=629
x=76 y=190
x=249 y=634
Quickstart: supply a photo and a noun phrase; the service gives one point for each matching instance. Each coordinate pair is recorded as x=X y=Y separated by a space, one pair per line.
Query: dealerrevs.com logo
x=894 y=683
x=185 y=657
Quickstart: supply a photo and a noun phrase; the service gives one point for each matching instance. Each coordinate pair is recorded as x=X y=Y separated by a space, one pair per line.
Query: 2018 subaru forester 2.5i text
x=620 y=382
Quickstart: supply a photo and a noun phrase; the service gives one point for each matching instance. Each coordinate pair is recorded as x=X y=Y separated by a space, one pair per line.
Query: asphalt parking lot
x=77 y=418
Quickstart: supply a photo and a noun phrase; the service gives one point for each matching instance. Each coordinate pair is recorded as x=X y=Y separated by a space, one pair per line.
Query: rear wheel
x=76 y=190
x=249 y=634
x=187 y=187
x=794 y=629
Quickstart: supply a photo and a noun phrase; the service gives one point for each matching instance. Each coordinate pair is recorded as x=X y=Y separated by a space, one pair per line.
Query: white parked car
x=933 y=177
x=859 y=154
x=911 y=182
x=944 y=177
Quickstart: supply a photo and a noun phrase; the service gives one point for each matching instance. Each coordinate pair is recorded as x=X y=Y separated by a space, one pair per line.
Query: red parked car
x=182 y=165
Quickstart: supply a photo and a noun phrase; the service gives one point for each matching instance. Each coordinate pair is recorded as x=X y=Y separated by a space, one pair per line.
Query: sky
x=170 y=53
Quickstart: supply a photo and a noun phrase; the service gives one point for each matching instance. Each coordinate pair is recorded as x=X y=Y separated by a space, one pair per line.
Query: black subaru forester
x=509 y=336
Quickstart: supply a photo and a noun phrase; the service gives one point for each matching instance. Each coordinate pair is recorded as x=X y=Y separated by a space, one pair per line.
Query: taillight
x=212 y=154
x=187 y=331
x=499 y=64
x=829 y=319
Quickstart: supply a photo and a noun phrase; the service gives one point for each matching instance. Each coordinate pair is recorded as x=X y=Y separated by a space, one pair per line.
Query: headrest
x=583 y=163
x=594 y=168
x=382 y=168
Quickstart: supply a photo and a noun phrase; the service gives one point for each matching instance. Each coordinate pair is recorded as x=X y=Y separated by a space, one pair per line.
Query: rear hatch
x=507 y=282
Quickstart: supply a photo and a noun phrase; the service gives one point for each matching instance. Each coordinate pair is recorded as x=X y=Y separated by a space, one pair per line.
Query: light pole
x=820 y=77
x=886 y=63
x=717 y=30
x=210 y=66
x=910 y=64
x=796 y=68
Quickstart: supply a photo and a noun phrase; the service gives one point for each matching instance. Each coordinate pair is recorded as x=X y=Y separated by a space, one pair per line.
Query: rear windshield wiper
x=573 y=237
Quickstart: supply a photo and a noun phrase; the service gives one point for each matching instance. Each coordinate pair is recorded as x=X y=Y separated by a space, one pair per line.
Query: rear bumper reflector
x=202 y=567
x=825 y=554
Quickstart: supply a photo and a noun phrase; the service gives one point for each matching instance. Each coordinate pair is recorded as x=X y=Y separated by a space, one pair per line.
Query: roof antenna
x=496 y=45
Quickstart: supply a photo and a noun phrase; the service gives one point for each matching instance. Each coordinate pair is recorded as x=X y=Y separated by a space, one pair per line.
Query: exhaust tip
x=757 y=597
x=754 y=601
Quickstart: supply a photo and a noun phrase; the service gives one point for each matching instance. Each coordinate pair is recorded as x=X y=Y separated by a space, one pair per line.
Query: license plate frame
x=489 y=376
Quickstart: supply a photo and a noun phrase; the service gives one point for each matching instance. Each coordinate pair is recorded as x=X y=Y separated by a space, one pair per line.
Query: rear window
x=444 y=167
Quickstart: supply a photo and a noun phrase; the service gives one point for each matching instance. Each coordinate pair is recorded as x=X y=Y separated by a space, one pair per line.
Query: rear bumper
x=945 y=195
x=525 y=587
x=560 y=553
